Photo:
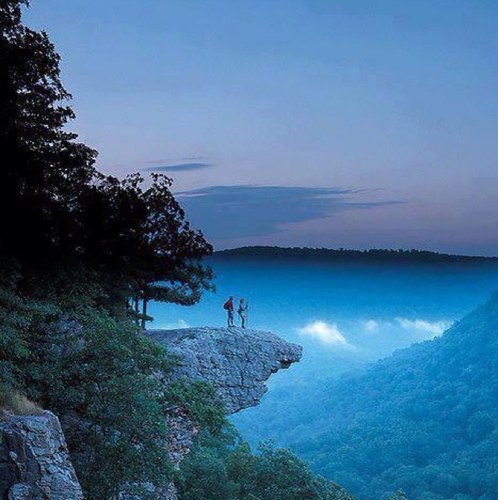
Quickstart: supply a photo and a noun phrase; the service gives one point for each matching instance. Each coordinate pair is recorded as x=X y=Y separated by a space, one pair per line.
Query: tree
x=221 y=465
x=74 y=246
x=141 y=235
x=44 y=168
x=54 y=204
x=80 y=362
x=170 y=269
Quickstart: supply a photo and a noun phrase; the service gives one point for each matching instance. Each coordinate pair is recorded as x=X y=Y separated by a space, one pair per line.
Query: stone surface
x=236 y=362
x=34 y=460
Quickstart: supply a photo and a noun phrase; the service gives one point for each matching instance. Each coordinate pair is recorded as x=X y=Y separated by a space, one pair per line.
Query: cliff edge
x=34 y=460
x=234 y=361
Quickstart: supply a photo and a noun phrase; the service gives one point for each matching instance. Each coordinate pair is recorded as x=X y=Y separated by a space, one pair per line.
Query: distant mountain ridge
x=344 y=255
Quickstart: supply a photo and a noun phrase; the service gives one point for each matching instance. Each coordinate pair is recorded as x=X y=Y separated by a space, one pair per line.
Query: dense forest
x=345 y=255
x=424 y=420
x=81 y=255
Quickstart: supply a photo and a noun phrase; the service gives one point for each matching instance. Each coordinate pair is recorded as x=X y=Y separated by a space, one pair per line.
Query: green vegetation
x=70 y=355
x=222 y=466
x=197 y=398
x=79 y=252
x=424 y=420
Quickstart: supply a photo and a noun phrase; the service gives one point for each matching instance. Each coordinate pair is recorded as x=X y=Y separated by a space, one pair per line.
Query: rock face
x=235 y=362
x=34 y=461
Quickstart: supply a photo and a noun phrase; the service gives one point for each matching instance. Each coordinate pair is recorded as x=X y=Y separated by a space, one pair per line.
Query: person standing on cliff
x=242 y=312
x=228 y=306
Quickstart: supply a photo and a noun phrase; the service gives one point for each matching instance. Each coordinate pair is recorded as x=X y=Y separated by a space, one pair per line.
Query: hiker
x=228 y=306
x=242 y=311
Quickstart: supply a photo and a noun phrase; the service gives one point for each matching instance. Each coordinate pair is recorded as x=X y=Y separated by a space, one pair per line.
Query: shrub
x=201 y=403
x=96 y=372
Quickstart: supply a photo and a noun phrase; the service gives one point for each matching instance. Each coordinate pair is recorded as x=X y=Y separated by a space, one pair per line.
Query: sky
x=347 y=123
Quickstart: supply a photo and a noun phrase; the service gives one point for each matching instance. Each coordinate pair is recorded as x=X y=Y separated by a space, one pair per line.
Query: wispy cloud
x=328 y=334
x=226 y=212
x=421 y=328
x=180 y=167
x=371 y=325
x=174 y=326
x=165 y=161
x=432 y=328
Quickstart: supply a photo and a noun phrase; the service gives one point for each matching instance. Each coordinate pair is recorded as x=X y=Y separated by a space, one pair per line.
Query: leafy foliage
x=424 y=420
x=44 y=167
x=199 y=400
x=75 y=358
x=222 y=466
x=55 y=205
x=79 y=251
x=76 y=248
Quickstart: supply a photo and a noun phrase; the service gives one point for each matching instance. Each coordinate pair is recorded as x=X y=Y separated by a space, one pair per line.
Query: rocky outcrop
x=235 y=362
x=34 y=460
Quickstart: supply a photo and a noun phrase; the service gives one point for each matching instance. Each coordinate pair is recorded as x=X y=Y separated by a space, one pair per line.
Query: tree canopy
x=55 y=205
x=44 y=168
x=221 y=465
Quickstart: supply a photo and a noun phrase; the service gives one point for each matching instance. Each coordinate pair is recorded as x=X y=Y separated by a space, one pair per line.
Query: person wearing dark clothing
x=228 y=306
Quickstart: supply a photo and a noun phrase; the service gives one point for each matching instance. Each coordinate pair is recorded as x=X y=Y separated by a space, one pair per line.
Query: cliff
x=34 y=461
x=235 y=362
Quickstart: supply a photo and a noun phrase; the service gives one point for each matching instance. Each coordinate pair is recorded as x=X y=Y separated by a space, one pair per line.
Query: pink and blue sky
x=346 y=123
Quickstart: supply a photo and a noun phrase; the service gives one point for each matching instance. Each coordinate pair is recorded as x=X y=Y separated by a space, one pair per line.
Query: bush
x=201 y=403
x=94 y=369
x=223 y=466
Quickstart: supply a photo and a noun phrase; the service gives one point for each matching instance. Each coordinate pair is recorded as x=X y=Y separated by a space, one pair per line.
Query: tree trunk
x=144 y=312
x=135 y=308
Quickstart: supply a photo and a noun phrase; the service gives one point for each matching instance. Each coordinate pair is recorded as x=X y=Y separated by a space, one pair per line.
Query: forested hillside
x=424 y=419
x=376 y=255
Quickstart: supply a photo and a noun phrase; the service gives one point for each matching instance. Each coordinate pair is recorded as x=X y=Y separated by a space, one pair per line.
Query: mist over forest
x=363 y=408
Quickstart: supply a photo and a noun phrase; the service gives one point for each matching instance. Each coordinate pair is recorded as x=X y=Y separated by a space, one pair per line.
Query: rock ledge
x=234 y=361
